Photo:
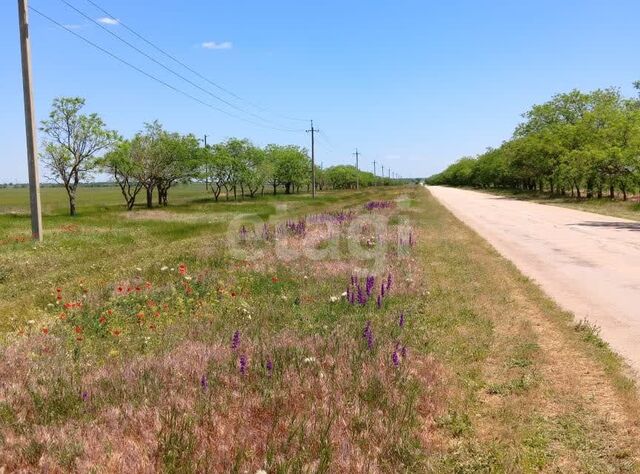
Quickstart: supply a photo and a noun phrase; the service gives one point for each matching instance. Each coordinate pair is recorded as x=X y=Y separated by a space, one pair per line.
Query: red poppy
x=274 y=279
x=78 y=330
x=182 y=269
x=233 y=294
x=63 y=316
x=45 y=330
x=140 y=316
x=109 y=312
x=102 y=320
x=116 y=332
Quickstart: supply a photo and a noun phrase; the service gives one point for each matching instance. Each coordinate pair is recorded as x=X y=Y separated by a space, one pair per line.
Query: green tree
x=72 y=142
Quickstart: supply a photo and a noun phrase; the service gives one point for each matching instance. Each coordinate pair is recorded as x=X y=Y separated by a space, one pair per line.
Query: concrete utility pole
x=357 y=155
x=313 y=159
x=29 y=123
x=375 y=178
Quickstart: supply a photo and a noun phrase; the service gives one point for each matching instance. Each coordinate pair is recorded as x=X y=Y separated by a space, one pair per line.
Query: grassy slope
x=496 y=379
x=624 y=209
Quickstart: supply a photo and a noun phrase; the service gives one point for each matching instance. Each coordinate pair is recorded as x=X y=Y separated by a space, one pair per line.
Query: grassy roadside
x=623 y=209
x=493 y=376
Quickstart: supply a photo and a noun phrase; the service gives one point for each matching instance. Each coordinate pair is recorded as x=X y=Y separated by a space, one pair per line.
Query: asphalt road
x=588 y=263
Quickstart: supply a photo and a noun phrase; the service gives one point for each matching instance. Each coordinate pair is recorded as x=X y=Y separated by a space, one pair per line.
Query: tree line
x=577 y=143
x=77 y=146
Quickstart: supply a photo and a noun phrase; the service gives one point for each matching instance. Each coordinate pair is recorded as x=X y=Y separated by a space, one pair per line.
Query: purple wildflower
x=361 y=298
x=354 y=280
x=85 y=396
x=243 y=364
x=404 y=351
x=353 y=298
x=368 y=335
x=348 y=293
x=389 y=281
x=382 y=290
x=371 y=281
x=379 y=302
x=396 y=359
x=367 y=329
x=401 y=320
x=410 y=239
x=269 y=367
x=204 y=383
x=235 y=340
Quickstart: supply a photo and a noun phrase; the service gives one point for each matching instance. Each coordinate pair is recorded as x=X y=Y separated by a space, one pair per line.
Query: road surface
x=588 y=263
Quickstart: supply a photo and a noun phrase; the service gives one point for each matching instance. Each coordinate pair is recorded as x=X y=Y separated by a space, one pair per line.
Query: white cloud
x=214 y=45
x=108 y=21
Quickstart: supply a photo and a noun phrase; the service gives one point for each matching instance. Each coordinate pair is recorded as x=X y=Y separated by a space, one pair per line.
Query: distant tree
x=72 y=142
x=179 y=158
x=292 y=166
x=124 y=169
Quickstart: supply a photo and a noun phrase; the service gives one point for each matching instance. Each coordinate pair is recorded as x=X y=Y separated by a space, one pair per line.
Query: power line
x=188 y=68
x=151 y=58
x=151 y=76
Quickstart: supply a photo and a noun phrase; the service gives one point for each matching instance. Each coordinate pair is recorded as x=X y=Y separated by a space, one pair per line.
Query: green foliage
x=72 y=142
x=575 y=143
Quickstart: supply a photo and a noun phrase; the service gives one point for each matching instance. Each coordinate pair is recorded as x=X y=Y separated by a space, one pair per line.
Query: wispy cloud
x=105 y=20
x=214 y=45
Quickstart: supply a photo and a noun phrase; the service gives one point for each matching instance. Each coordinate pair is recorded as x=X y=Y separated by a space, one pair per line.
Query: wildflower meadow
x=356 y=333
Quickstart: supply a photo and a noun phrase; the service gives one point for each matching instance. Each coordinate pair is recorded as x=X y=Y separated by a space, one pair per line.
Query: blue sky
x=414 y=84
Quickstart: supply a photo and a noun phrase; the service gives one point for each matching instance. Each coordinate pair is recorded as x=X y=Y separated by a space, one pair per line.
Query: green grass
x=496 y=378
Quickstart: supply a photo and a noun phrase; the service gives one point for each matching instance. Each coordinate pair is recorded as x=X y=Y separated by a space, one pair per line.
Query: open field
x=626 y=209
x=141 y=341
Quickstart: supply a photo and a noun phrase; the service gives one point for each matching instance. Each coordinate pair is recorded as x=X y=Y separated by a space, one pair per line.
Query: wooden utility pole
x=357 y=155
x=29 y=123
x=313 y=159
x=206 y=168
x=382 y=174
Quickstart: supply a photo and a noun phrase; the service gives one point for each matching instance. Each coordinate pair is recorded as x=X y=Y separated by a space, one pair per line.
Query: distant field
x=140 y=341
x=625 y=209
x=90 y=199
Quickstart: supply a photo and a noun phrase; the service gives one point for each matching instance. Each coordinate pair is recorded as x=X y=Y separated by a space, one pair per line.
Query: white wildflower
x=334 y=299
x=164 y=268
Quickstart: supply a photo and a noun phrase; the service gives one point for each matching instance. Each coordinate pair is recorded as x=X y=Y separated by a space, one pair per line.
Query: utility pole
x=29 y=123
x=313 y=159
x=375 y=178
x=206 y=168
x=357 y=155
